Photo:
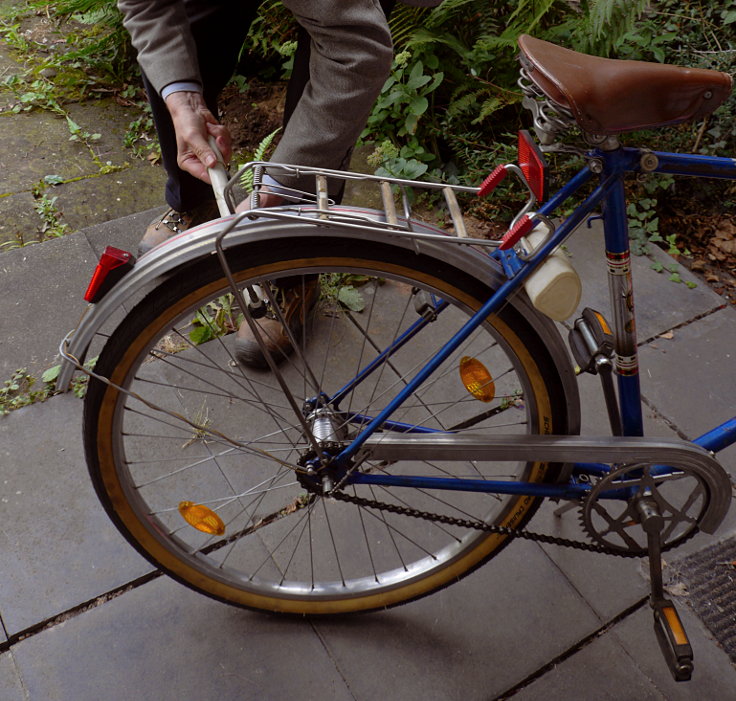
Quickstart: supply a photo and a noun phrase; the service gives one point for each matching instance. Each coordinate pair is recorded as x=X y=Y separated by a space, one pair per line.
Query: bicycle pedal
x=591 y=341
x=673 y=640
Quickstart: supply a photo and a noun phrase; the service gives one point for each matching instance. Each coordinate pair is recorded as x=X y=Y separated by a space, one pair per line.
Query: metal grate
x=710 y=579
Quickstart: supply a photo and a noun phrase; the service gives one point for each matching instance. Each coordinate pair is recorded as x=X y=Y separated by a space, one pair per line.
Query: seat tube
x=620 y=284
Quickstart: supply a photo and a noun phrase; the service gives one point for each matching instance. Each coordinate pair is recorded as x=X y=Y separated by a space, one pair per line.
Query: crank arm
x=674 y=453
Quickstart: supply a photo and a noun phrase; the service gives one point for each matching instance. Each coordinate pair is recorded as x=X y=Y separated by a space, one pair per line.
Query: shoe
x=173 y=222
x=296 y=303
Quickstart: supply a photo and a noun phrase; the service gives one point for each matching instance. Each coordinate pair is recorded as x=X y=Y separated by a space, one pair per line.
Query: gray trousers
x=343 y=59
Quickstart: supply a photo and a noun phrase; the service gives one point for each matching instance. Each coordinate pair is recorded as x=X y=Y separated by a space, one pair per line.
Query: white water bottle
x=554 y=288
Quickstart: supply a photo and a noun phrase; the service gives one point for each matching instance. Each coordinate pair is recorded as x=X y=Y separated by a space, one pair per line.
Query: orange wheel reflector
x=202 y=518
x=476 y=379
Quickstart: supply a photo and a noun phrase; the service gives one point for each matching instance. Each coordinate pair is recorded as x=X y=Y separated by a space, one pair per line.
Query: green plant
x=246 y=178
x=342 y=289
x=18 y=391
x=52 y=225
x=218 y=318
x=97 y=47
x=642 y=213
x=39 y=93
x=78 y=384
x=141 y=136
x=403 y=102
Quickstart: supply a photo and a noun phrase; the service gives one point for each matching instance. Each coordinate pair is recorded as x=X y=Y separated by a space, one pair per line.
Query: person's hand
x=194 y=124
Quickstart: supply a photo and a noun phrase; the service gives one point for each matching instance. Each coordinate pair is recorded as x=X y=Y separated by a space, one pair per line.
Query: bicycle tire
x=307 y=554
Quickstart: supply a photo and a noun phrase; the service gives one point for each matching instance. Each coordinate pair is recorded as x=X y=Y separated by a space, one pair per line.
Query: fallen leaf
x=726 y=226
x=679 y=589
x=724 y=244
x=669 y=335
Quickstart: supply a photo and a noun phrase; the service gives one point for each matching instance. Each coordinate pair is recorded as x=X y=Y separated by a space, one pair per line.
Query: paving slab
x=111 y=120
x=475 y=639
x=11 y=687
x=100 y=198
x=19 y=222
x=42 y=289
x=8 y=66
x=472 y=640
x=623 y=664
x=660 y=304
x=36 y=145
x=58 y=549
x=698 y=364
x=122 y=233
x=602 y=671
x=161 y=641
x=591 y=574
x=625 y=580
x=714 y=676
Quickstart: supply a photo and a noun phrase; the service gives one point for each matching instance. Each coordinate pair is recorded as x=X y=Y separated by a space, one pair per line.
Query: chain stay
x=479 y=525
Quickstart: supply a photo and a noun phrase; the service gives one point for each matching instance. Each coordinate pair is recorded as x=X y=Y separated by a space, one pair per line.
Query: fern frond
x=608 y=21
x=443 y=13
x=246 y=179
x=404 y=23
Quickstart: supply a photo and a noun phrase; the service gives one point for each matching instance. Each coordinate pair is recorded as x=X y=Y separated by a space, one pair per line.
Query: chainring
x=609 y=513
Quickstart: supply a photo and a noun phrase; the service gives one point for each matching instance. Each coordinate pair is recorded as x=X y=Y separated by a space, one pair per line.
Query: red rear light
x=113 y=264
x=533 y=165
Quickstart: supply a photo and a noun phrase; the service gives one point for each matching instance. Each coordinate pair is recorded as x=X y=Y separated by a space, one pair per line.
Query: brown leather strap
x=610 y=96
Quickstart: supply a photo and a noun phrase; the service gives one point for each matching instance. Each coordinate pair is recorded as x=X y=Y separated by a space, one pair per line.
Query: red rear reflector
x=113 y=264
x=532 y=164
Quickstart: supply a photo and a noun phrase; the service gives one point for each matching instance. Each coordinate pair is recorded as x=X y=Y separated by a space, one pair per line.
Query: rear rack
x=319 y=210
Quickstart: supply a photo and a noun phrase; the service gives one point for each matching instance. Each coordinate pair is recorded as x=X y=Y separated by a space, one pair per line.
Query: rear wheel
x=185 y=430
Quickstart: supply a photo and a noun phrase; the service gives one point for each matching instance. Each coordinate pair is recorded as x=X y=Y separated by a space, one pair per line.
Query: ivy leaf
x=352 y=299
x=51 y=374
x=200 y=334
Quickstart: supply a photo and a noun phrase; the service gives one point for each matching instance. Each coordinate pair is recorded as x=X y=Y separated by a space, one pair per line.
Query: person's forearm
x=160 y=34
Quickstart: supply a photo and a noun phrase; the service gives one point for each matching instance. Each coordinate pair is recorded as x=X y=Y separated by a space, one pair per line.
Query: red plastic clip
x=492 y=181
x=521 y=228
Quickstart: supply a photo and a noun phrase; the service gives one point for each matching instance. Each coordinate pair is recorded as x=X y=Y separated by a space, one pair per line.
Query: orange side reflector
x=675 y=626
x=202 y=518
x=476 y=379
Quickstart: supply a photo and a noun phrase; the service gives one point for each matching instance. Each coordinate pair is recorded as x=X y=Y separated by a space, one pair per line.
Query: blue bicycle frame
x=611 y=166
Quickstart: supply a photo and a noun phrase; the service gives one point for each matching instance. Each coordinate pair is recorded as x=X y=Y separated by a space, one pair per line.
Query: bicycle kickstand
x=668 y=627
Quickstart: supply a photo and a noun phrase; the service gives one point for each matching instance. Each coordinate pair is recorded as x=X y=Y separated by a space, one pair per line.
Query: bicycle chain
x=479 y=525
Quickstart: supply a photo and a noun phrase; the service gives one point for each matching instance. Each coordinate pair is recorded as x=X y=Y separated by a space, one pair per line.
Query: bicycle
x=426 y=406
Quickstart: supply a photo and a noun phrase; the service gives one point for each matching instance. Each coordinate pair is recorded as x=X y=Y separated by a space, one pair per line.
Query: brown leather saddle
x=611 y=96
